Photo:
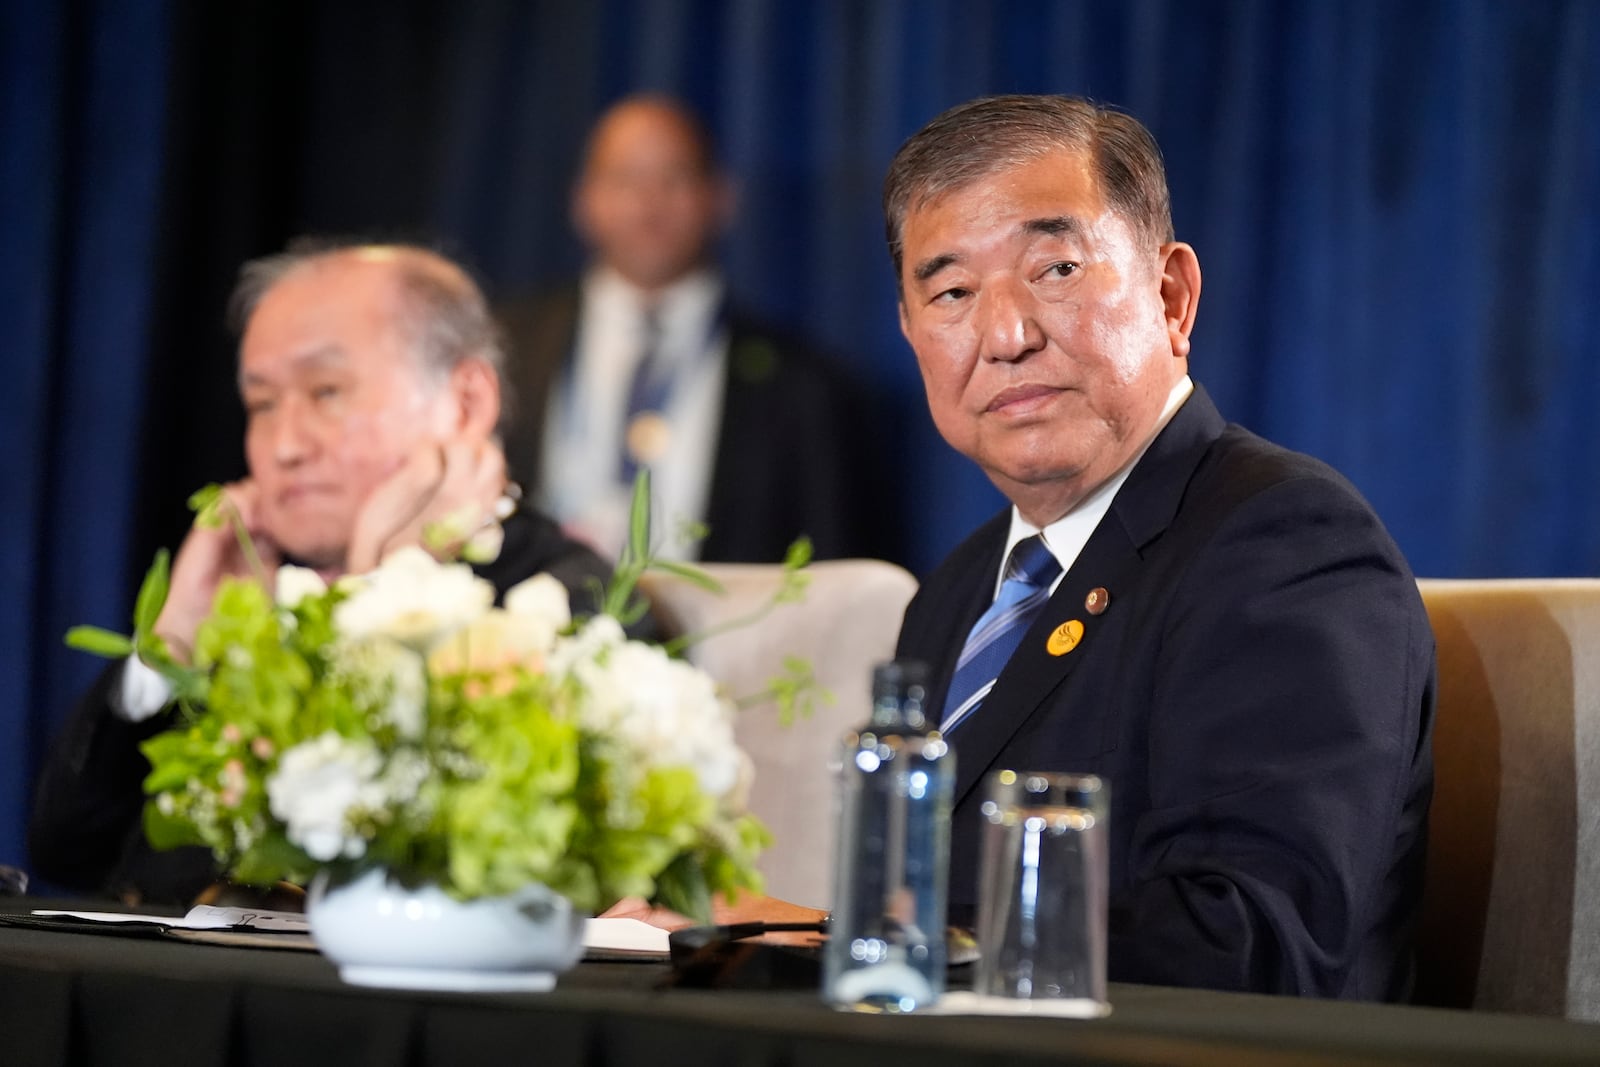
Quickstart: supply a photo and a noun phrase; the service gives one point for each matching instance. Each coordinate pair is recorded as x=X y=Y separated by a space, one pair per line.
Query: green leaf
x=689 y=573
x=692 y=532
x=799 y=554
x=100 y=642
x=273 y=858
x=639 y=517
x=168 y=831
x=682 y=887
x=152 y=594
x=206 y=503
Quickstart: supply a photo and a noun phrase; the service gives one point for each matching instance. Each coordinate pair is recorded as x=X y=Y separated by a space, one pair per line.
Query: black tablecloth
x=91 y=999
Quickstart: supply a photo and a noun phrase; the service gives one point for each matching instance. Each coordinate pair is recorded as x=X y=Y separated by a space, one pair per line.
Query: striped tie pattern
x=1029 y=573
x=647 y=393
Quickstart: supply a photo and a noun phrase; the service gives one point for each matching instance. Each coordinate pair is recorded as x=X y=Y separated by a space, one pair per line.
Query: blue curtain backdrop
x=1394 y=206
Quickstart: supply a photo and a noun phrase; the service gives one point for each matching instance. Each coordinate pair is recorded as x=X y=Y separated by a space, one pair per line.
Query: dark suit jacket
x=1259 y=694
x=792 y=456
x=87 y=832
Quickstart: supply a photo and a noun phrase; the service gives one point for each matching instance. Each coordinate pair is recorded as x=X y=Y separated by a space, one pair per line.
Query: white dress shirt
x=584 y=426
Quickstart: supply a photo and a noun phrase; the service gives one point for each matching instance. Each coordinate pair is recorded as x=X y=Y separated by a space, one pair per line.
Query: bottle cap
x=900 y=676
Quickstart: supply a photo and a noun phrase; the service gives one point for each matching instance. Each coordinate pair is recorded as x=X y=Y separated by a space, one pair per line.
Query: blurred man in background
x=646 y=362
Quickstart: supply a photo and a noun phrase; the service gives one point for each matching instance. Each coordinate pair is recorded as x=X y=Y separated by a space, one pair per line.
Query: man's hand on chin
x=208 y=555
x=749 y=907
x=449 y=485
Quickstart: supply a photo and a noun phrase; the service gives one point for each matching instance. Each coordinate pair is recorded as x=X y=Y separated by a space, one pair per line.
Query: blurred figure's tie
x=1030 y=571
x=645 y=432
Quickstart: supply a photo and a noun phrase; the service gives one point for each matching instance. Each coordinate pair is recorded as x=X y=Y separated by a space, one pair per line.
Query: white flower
x=664 y=711
x=318 y=786
x=386 y=674
x=598 y=636
x=294 y=584
x=414 y=599
x=541 y=599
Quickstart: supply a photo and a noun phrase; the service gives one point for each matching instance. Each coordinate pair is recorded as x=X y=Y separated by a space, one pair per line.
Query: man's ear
x=1180 y=293
x=474 y=390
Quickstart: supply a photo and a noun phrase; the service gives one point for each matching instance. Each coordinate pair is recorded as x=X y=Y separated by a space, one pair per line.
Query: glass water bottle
x=896 y=777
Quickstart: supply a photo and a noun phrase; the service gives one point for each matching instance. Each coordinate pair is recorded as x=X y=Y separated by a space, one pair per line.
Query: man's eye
x=951 y=295
x=1061 y=270
x=257 y=406
x=324 y=392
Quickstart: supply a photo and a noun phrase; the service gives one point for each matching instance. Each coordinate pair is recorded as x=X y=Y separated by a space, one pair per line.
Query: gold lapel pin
x=1097 y=601
x=1064 y=638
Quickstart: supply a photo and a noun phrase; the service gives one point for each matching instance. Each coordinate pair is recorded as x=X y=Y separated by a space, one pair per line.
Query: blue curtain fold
x=81 y=118
x=1394 y=205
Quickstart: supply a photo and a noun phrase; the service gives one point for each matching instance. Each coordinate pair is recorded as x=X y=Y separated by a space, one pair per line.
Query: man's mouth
x=294 y=495
x=1021 y=399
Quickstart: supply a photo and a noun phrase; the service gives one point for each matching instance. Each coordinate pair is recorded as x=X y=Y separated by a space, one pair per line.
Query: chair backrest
x=1511 y=911
x=847 y=622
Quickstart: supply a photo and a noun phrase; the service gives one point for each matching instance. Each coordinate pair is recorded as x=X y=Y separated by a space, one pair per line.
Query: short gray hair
x=445 y=315
x=996 y=133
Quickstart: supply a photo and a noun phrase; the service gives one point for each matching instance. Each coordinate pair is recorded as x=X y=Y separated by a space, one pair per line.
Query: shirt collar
x=685 y=303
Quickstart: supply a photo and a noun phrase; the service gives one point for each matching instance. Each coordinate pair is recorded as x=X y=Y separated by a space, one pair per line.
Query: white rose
x=666 y=712
x=414 y=599
x=318 y=786
x=294 y=584
x=541 y=599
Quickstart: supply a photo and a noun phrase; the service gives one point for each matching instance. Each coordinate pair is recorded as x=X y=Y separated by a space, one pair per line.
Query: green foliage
x=620 y=598
x=206 y=503
x=100 y=642
x=795 y=692
x=302 y=746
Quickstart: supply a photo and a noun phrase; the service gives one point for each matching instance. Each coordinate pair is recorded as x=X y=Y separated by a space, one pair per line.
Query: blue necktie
x=1029 y=573
x=647 y=394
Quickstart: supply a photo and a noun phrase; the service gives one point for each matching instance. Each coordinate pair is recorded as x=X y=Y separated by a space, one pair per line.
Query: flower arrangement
x=400 y=719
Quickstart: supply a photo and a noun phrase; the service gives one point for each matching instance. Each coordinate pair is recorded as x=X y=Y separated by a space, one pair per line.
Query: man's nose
x=1010 y=326
x=293 y=437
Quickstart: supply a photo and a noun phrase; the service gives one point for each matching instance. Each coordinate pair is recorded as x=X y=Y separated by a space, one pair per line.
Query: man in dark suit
x=370 y=377
x=647 y=362
x=1218 y=627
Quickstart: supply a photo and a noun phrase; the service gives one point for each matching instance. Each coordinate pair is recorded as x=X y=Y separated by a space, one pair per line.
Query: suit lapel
x=1110 y=560
x=543 y=335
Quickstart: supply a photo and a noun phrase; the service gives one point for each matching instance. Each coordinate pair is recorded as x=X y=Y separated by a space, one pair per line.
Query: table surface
x=102 y=998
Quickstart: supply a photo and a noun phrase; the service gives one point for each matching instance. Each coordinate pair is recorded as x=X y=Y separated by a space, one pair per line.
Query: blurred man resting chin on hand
x=370 y=377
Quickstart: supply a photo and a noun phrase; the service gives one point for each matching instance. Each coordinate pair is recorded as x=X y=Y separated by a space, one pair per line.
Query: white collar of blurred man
x=651 y=201
x=370 y=380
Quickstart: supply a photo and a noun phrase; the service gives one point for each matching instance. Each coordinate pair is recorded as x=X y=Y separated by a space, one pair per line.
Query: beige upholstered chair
x=1512 y=907
x=847 y=622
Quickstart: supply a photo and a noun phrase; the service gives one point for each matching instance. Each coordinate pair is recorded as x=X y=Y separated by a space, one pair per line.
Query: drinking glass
x=1042 y=891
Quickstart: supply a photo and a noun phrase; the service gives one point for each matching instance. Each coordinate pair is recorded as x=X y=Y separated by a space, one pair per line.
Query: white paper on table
x=199 y=917
x=624 y=935
x=108 y=917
